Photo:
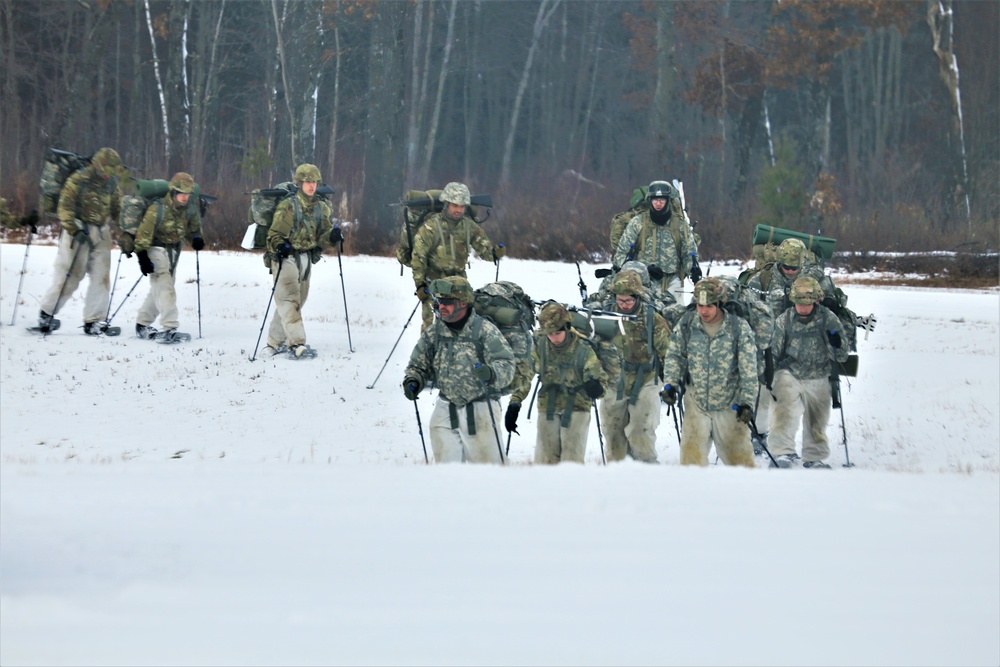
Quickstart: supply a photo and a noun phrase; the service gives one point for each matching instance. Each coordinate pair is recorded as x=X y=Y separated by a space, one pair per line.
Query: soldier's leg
x=95 y=307
x=287 y=302
x=614 y=418
x=64 y=285
x=644 y=418
x=764 y=406
x=151 y=305
x=815 y=445
x=732 y=439
x=674 y=287
x=574 y=437
x=548 y=445
x=696 y=434
x=445 y=441
x=785 y=415
x=484 y=446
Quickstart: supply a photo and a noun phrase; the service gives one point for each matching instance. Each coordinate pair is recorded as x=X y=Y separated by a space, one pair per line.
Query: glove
x=483 y=372
x=31 y=220
x=655 y=272
x=197 y=243
x=336 y=236
x=283 y=250
x=743 y=413
x=510 y=419
x=422 y=293
x=668 y=395
x=696 y=273
x=145 y=265
x=499 y=251
x=411 y=388
x=603 y=273
x=593 y=389
x=834 y=338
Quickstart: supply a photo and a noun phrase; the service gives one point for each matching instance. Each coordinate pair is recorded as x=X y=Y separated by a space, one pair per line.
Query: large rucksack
x=636 y=205
x=507 y=306
x=418 y=205
x=600 y=333
x=58 y=167
x=260 y=215
x=133 y=209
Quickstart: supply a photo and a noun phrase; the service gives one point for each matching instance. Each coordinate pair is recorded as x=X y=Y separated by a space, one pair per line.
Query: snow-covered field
x=182 y=505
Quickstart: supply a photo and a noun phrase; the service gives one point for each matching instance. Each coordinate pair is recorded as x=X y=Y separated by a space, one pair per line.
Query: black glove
x=81 y=237
x=593 y=389
x=655 y=272
x=510 y=419
x=668 y=395
x=744 y=413
x=411 y=388
x=283 y=250
x=834 y=338
x=604 y=273
x=145 y=265
x=336 y=236
x=483 y=372
x=31 y=220
x=197 y=243
x=422 y=293
x=696 y=273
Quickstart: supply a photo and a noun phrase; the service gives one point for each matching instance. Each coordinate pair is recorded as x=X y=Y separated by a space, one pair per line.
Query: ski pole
x=414 y=312
x=268 y=309
x=20 y=283
x=197 y=268
x=496 y=432
x=582 y=285
x=838 y=403
x=600 y=437
x=111 y=298
x=420 y=429
x=756 y=434
x=677 y=428
x=343 y=291
x=124 y=300
x=534 y=393
x=69 y=272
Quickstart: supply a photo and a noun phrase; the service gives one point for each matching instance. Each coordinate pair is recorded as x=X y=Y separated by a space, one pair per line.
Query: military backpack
x=507 y=306
x=134 y=207
x=263 y=203
x=58 y=167
x=418 y=205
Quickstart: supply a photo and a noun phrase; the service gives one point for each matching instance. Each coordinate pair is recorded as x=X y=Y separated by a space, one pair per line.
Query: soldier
x=571 y=378
x=10 y=221
x=441 y=246
x=87 y=202
x=808 y=338
x=663 y=302
x=630 y=416
x=302 y=227
x=662 y=241
x=713 y=356
x=467 y=359
x=158 y=247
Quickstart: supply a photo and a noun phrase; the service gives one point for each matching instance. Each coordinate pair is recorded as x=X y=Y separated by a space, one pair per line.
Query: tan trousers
x=701 y=429
x=764 y=407
x=290 y=293
x=555 y=444
x=162 y=297
x=456 y=445
x=808 y=400
x=631 y=429
x=73 y=262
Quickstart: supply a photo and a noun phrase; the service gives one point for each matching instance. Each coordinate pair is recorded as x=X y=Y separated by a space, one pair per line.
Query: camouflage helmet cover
x=659 y=189
x=791 y=252
x=453 y=287
x=182 y=182
x=710 y=291
x=456 y=193
x=627 y=283
x=805 y=291
x=107 y=162
x=639 y=268
x=307 y=172
x=553 y=317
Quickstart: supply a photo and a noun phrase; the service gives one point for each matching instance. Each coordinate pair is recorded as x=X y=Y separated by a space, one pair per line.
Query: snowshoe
x=99 y=328
x=786 y=460
x=145 y=332
x=272 y=351
x=301 y=351
x=46 y=324
x=170 y=336
x=815 y=464
x=759 y=443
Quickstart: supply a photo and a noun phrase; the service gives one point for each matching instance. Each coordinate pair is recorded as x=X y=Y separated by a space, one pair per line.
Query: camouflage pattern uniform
x=305 y=223
x=630 y=415
x=722 y=373
x=89 y=199
x=445 y=357
x=655 y=244
x=164 y=225
x=441 y=246
x=803 y=355
x=663 y=303
x=563 y=404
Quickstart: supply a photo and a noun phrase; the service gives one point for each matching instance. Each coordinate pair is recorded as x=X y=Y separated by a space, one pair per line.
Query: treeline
x=873 y=121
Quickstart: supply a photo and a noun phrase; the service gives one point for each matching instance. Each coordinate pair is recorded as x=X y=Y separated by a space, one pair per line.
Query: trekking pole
x=837 y=403
x=197 y=268
x=343 y=291
x=420 y=429
x=124 y=300
x=582 y=285
x=69 y=272
x=394 y=346
x=600 y=436
x=20 y=283
x=533 y=394
x=267 y=310
x=496 y=432
x=677 y=428
x=114 y=285
x=756 y=434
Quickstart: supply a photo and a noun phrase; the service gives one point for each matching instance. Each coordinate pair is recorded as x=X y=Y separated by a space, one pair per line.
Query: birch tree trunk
x=164 y=113
x=439 y=95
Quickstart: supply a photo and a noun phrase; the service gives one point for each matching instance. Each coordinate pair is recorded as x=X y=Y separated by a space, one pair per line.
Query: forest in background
x=876 y=122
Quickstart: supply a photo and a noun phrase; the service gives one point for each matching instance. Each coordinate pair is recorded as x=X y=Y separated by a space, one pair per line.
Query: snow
x=179 y=504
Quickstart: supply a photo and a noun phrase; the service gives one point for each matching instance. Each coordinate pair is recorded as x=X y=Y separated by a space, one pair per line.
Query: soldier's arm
x=746 y=391
x=193 y=223
x=422 y=243
x=661 y=336
x=521 y=389
x=66 y=210
x=497 y=355
x=673 y=362
x=481 y=243
x=421 y=359
x=629 y=237
x=147 y=228
x=281 y=226
x=325 y=226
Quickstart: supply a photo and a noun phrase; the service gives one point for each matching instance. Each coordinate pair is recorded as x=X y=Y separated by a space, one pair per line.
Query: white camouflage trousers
x=805 y=399
x=631 y=429
x=162 y=297
x=290 y=293
x=456 y=445
x=701 y=429
x=73 y=262
x=555 y=443
x=764 y=405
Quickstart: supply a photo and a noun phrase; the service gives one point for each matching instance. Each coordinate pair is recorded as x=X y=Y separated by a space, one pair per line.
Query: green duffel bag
x=822 y=246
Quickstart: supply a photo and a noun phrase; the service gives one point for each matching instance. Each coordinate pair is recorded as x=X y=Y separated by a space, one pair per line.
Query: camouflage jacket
x=309 y=229
x=802 y=347
x=441 y=248
x=90 y=198
x=722 y=371
x=656 y=244
x=445 y=359
x=777 y=292
x=562 y=372
x=176 y=224
x=643 y=348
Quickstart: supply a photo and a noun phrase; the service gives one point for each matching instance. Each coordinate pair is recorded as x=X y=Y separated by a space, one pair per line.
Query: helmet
x=553 y=317
x=107 y=162
x=456 y=193
x=806 y=290
x=659 y=189
x=710 y=291
x=182 y=182
x=791 y=252
x=627 y=283
x=637 y=267
x=453 y=287
x=307 y=172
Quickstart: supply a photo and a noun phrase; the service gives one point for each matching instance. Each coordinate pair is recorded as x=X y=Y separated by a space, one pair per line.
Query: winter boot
x=815 y=464
x=786 y=460
x=46 y=322
x=145 y=331
x=94 y=328
x=270 y=350
x=759 y=443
